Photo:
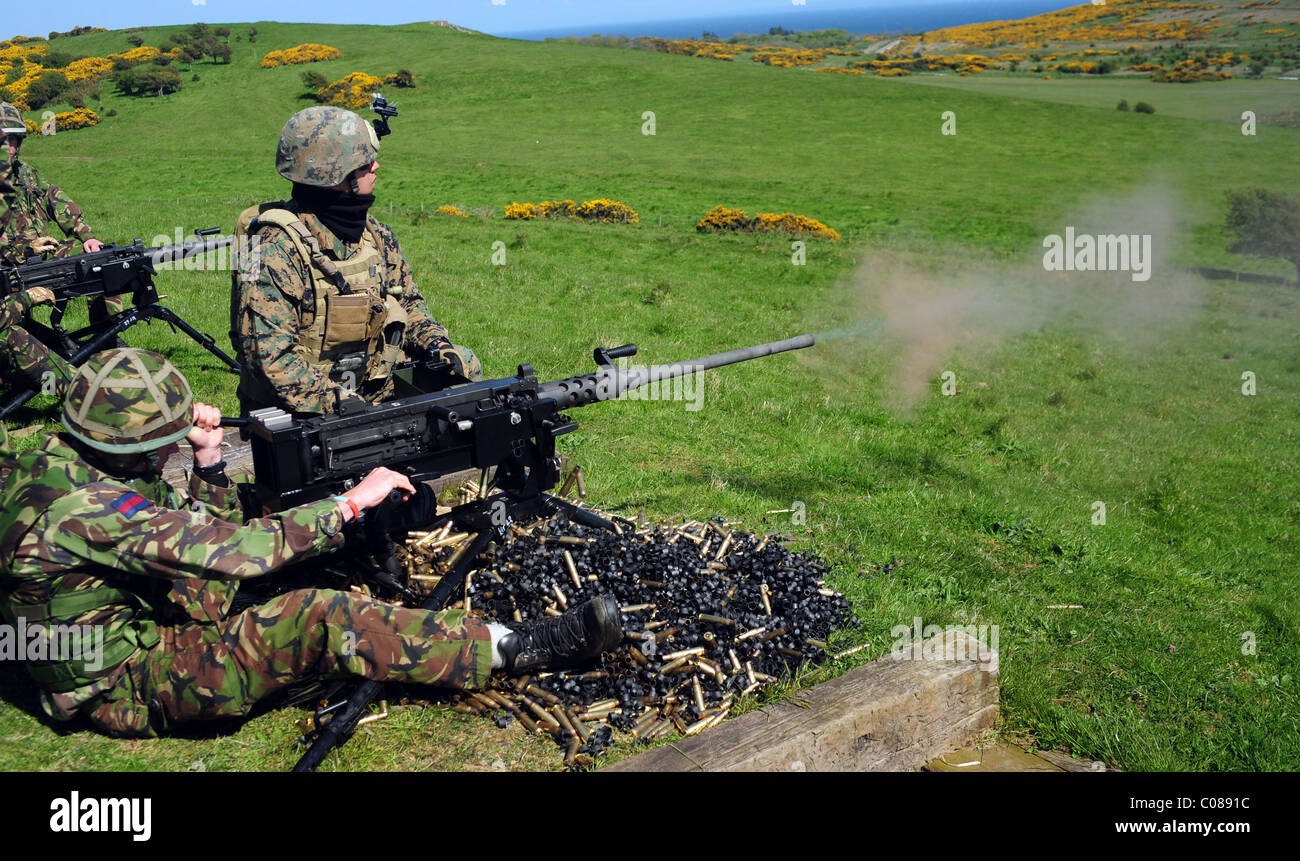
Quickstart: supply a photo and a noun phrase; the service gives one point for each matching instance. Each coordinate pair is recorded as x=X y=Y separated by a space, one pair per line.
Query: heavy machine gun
x=508 y=424
x=114 y=270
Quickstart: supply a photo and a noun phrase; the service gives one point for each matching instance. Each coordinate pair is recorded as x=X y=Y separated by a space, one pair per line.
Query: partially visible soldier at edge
x=31 y=205
x=327 y=306
x=138 y=580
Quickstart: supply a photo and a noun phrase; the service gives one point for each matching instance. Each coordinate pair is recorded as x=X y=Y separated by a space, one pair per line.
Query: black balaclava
x=343 y=212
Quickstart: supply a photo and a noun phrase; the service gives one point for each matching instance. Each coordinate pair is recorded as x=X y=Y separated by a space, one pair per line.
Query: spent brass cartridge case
x=752 y=633
x=717 y=620
x=542 y=694
x=684 y=653
x=573 y=571
x=767 y=604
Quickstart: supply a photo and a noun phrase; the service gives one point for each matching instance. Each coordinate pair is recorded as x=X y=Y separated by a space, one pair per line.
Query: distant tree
x=1123 y=105
x=710 y=36
x=1144 y=108
x=134 y=40
x=47 y=88
x=223 y=32
x=314 y=80
x=56 y=59
x=1266 y=223
x=252 y=34
x=1257 y=68
x=221 y=53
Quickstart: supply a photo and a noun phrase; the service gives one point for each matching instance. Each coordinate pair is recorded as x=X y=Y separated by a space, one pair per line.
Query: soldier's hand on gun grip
x=92 y=245
x=376 y=486
x=44 y=245
x=454 y=358
x=40 y=296
x=205 y=437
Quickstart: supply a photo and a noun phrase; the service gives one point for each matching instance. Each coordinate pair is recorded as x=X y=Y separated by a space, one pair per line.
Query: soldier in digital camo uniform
x=327 y=305
x=31 y=205
x=90 y=535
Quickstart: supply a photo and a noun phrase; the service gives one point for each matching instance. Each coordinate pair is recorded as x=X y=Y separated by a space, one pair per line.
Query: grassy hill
x=987 y=496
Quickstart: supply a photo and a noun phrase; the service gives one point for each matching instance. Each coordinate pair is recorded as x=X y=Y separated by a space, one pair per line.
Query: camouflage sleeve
x=14 y=309
x=421 y=329
x=16 y=245
x=60 y=208
x=270 y=316
x=216 y=501
x=109 y=524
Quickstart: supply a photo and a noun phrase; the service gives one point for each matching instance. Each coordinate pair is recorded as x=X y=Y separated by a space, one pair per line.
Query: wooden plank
x=890 y=715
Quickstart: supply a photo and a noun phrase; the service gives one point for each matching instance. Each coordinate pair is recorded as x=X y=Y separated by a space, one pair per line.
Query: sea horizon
x=894 y=19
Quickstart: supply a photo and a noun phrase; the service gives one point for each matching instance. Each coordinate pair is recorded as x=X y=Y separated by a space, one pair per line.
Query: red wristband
x=356 y=512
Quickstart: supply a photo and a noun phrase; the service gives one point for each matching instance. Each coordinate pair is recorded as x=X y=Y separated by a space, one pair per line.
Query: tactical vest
x=23 y=501
x=359 y=322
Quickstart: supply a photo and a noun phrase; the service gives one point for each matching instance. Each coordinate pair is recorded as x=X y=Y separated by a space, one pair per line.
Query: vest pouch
x=390 y=341
x=347 y=322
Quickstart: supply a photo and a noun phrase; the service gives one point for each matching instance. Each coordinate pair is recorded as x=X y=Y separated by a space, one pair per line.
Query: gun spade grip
x=622 y=352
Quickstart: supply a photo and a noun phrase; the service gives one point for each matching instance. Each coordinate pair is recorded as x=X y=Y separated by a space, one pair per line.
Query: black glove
x=419 y=510
x=453 y=357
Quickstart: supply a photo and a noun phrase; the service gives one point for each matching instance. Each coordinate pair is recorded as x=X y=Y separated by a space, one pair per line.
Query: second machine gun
x=114 y=270
x=509 y=424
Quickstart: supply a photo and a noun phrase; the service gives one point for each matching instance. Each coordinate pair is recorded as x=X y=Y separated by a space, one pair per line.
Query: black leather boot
x=563 y=641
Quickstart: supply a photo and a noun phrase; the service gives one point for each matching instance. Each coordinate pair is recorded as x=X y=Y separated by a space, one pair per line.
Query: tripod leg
x=16 y=401
x=579 y=515
x=205 y=341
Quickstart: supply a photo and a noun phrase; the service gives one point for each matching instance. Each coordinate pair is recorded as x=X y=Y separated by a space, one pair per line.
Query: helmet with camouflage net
x=320 y=146
x=11 y=121
x=125 y=401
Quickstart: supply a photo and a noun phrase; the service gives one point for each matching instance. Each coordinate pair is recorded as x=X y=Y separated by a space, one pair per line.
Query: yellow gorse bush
x=352 y=92
x=601 y=210
x=1138 y=20
x=455 y=211
x=88 y=68
x=67 y=121
x=608 y=211
x=722 y=219
x=521 y=211
x=81 y=118
x=299 y=54
x=136 y=56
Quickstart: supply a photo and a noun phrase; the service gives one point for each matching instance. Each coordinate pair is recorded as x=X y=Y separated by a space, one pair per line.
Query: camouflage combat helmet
x=11 y=121
x=125 y=401
x=320 y=146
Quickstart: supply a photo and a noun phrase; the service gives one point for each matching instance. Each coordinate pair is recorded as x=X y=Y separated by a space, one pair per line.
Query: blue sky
x=36 y=18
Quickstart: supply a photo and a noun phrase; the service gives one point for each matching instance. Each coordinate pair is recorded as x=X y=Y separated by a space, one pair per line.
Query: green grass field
x=987 y=496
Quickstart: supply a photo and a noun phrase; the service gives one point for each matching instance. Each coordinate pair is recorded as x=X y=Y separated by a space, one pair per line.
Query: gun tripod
x=76 y=347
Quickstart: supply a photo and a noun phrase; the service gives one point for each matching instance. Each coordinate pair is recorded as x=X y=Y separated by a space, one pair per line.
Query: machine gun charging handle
x=605 y=358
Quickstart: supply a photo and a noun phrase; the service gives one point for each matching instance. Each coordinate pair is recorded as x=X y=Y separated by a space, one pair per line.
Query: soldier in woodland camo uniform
x=90 y=535
x=327 y=305
x=31 y=206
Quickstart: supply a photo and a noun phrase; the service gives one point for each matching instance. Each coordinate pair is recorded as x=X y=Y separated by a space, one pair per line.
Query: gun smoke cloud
x=923 y=315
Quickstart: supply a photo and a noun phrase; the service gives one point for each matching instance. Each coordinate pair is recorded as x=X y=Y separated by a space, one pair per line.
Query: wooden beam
x=889 y=715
